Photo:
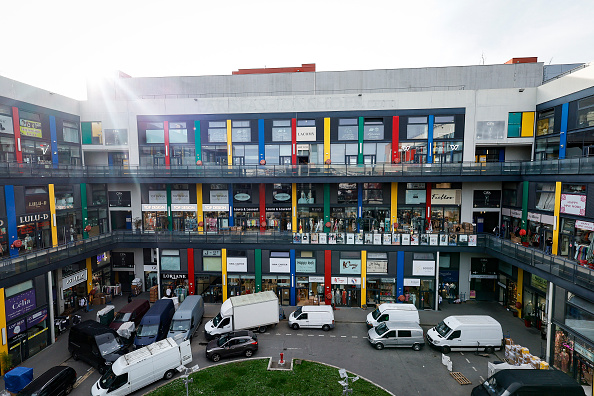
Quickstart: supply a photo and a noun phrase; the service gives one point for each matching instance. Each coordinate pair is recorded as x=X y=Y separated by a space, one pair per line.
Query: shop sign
x=282 y=197
x=573 y=204
x=119 y=199
x=211 y=253
x=74 y=279
x=423 y=268
x=174 y=276
x=30 y=128
x=157 y=197
x=316 y=210
x=279 y=264
x=305 y=134
x=219 y=197
x=33 y=218
x=377 y=266
x=215 y=208
x=584 y=352
x=339 y=280
x=242 y=197
x=6 y=124
x=415 y=186
x=515 y=213
x=318 y=279
x=337 y=210
x=244 y=209
x=36 y=203
x=20 y=304
x=486 y=198
x=547 y=219
x=180 y=197
x=15 y=328
x=502 y=285
x=277 y=209
x=122 y=260
x=36 y=318
x=236 y=264
x=445 y=197
x=448 y=276
x=350 y=266
x=303 y=147
x=538 y=283
x=184 y=207
x=482 y=276
x=154 y=207
x=584 y=225
x=412 y=282
x=505 y=212
x=305 y=265
x=534 y=216
x=150 y=268
x=388 y=280
x=415 y=197
x=354 y=281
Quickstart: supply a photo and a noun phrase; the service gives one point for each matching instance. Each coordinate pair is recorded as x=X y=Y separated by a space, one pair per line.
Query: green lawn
x=251 y=378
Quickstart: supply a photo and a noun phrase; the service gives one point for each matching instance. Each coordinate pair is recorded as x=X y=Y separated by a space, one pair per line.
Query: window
x=444 y=127
x=373 y=129
x=155 y=132
x=586 y=112
x=573 y=188
x=447 y=151
x=404 y=333
x=281 y=131
x=306 y=123
x=64 y=197
x=241 y=132
x=281 y=193
x=306 y=193
x=413 y=152
x=217 y=132
x=348 y=129
x=514 y=124
x=170 y=260
x=545 y=123
x=372 y=193
x=417 y=128
x=178 y=132
x=347 y=193
x=70 y=132
x=30 y=124
x=510 y=194
x=545 y=196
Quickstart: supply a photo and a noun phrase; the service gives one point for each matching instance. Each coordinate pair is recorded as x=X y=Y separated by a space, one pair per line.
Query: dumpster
x=17 y=378
x=105 y=316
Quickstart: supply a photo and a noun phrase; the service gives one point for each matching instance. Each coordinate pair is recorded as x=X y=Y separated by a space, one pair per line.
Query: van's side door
x=389 y=339
x=303 y=319
x=121 y=386
x=404 y=337
x=455 y=339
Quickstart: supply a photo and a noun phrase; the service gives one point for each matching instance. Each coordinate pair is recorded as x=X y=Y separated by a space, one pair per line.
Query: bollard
x=282 y=358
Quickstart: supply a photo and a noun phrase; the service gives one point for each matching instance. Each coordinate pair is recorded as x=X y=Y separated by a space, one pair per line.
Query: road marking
x=320 y=335
x=342 y=336
x=288 y=334
x=299 y=334
x=292 y=348
x=310 y=335
x=355 y=337
x=83 y=377
x=473 y=368
x=332 y=336
x=482 y=379
x=278 y=334
x=461 y=353
x=467 y=361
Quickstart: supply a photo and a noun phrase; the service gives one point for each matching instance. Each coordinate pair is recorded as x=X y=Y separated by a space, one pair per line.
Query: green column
x=86 y=129
x=525 y=205
x=258 y=268
x=84 y=206
x=197 y=144
x=169 y=214
x=326 y=206
x=360 y=145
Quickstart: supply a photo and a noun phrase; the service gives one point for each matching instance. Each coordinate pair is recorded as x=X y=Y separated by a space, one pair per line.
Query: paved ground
x=352 y=319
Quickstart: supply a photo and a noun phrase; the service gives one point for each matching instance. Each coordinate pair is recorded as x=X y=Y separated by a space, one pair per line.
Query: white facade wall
x=566 y=85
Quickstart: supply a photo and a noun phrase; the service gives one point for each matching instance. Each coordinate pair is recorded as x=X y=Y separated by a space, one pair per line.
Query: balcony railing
x=555 y=265
x=584 y=165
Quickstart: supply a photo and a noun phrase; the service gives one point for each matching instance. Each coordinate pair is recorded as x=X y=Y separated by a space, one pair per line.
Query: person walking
x=549 y=244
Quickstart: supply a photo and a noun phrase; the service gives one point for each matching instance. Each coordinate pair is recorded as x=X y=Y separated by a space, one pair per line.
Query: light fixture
x=521 y=89
x=195 y=100
x=360 y=95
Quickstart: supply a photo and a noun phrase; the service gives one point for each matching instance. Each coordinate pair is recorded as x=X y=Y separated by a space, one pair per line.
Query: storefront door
x=18 y=347
x=284 y=295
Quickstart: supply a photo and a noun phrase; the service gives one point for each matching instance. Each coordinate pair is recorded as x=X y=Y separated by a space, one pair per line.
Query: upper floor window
x=545 y=123
x=281 y=131
x=417 y=128
x=6 y=120
x=373 y=129
x=155 y=132
x=70 y=132
x=217 y=132
x=586 y=112
x=348 y=129
x=241 y=132
x=545 y=196
x=444 y=127
x=116 y=137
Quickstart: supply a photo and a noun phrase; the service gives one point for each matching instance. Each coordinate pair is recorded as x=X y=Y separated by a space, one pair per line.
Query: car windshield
x=443 y=329
x=122 y=317
x=107 y=379
x=381 y=329
x=180 y=325
x=375 y=314
x=107 y=343
x=147 y=330
x=216 y=320
x=297 y=312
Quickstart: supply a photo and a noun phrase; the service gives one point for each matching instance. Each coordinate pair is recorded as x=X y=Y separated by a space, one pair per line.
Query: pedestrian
x=129 y=298
x=168 y=292
x=440 y=300
x=549 y=244
x=82 y=302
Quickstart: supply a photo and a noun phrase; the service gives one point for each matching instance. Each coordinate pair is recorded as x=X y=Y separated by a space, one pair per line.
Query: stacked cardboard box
x=154 y=294
x=544 y=366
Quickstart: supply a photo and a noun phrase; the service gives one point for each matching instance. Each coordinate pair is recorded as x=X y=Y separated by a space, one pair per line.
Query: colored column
x=360 y=206
x=17 y=134
x=294 y=141
x=3 y=345
x=527 y=124
x=167 y=159
x=85 y=209
x=360 y=142
x=262 y=194
x=363 y=278
x=199 y=211
x=525 y=189
x=428 y=206
x=197 y=141
x=430 y=140
x=229 y=145
x=89 y=264
x=261 y=141
x=326 y=139
x=169 y=214
x=326 y=206
x=11 y=218
x=563 y=130
x=293 y=297
x=328 y=276
x=191 y=277
x=231 y=214
x=258 y=269
x=394 y=205
x=399 y=274
x=54 y=141
x=224 y=272
x=395 y=139
x=557 y=212
x=54 y=226
x=294 y=210
x=520 y=290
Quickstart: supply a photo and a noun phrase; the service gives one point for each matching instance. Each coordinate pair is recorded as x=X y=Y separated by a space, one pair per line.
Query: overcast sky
x=57 y=44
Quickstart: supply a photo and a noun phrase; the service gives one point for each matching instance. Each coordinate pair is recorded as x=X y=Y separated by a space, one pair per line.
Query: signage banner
x=548 y=219
x=515 y=213
x=573 y=204
x=277 y=209
x=505 y=212
x=354 y=281
x=37 y=203
x=350 y=266
x=534 y=216
x=236 y=264
x=242 y=197
x=30 y=128
x=584 y=225
x=539 y=283
x=36 y=318
x=306 y=134
x=339 y=280
x=377 y=266
x=154 y=207
x=20 y=304
x=415 y=197
x=388 y=280
x=158 y=197
x=120 y=199
x=219 y=197
x=15 y=328
x=180 y=197
x=122 y=260
x=423 y=268
x=244 y=209
x=168 y=275
x=412 y=282
x=280 y=264
x=318 y=279
x=215 y=208
x=305 y=265
x=74 y=279
x=150 y=268
x=184 y=207
x=446 y=197
x=482 y=276
x=33 y=218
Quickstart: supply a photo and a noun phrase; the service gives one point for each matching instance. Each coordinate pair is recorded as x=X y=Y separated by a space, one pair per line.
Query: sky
x=58 y=45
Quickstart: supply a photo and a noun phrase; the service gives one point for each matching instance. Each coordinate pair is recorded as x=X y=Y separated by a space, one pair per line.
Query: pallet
x=462 y=380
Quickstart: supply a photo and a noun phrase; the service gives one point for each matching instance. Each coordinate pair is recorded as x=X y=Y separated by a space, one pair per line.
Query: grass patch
x=250 y=377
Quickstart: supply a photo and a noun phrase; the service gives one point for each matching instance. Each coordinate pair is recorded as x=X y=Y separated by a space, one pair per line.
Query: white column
x=50 y=309
x=550 y=299
x=158 y=275
x=437 y=282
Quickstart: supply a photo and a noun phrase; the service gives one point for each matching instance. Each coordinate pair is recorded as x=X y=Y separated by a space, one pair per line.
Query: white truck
x=142 y=367
x=246 y=312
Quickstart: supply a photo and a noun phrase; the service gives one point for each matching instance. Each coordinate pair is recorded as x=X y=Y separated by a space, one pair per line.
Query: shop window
x=586 y=112
x=217 y=132
x=170 y=260
x=7 y=147
x=6 y=120
x=69 y=154
x=306 y=193
x=348 y=129
x=447 y=152
x=417 y=128
x=373 y=129
x=155 y=132
x=242 y=193
x=444 y=127
x=412 y=152
x=70 y=132
x=178 y=132
x=64 y=197
x=347 y=193
x=372 y=193
x=344 y=153
x=545 y=196
x=545 y=122
x=574 y=188
x=547 y=148
x=510 y=194
x=281 y=193
x=241 y=132
x=212 y=261
x=36 y=152
x=281 y=131
x=115 y=137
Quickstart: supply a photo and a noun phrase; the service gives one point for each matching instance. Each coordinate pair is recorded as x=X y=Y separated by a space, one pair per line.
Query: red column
x=167 y=161
x=428 y=204
x=328 y=276
x=17 y=135
x=395 y=139
x=294 y=141
x=262 y=206
x=191 y=277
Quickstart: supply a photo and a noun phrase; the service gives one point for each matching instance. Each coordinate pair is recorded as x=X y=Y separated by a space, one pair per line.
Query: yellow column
x=520 y=289
x=4 y=345
x=229 y=148
x=199 y=212
x=326 y=139
x=363 y=278
x=224 y=272
x=294 y=211
x=527 y=124
x=557 y=212
x=89 y=275
x=394 y=204
x=54 y=226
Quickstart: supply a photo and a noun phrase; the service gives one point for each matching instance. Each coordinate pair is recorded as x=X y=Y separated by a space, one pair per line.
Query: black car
x=96 y=344
x=232 y=344
x=57 y=381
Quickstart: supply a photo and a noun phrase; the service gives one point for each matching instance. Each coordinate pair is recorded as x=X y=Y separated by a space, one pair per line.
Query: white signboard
x=158 y=197
x=354 y=281
x=584 y=225
x=412 y=282
x=74 y=279
x=306 y=134
x=534 y=216
x=236 y=264
x=516 y=213
x=215 y=208
x=415 y=197
x=350 y=266
x=180 y=197
x=318 y=279
x=280 y=264
x=377 y=266
x=305 y=265
x=423 y=268
x=184 y=207
x=150 y=268
x=573 y=204
x=219 y=197
x=154 y=207
x=445 y=197
x=339 y=280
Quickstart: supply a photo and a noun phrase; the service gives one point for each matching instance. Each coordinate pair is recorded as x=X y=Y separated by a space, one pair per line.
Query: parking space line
x=332 y=336
x=473 y=368
x=467 y=361
x=299 y=334
x=482 y=379
x=83 y=377
x=288 y=334
x=355 y=337
x=342 y=336
x=462 y=353
x=310 y=335
x=320 y=335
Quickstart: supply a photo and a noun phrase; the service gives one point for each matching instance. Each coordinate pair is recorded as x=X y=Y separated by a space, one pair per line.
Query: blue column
x=399 y=274
x=231 y=215
x=430 y=140
x=11 y=218
x=359 y=205
x=261 y=147
x=54 y=141
x=563 y=135
x=293 y=297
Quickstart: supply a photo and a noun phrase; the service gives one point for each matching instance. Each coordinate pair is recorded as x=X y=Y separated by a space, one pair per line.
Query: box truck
x=142 y=367
x=246 y=312
x=478 y=332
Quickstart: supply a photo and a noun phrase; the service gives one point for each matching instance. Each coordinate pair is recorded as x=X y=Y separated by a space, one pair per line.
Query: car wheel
x=326 y=327
x=489 y=349
x=295 y=326
x=417 y=347
x=68 y=390
x=262 y=329
x=445 y=349
x=169 y=374
x=249 y=353
x=379 y=346
x=216 y=357
x=74 y=355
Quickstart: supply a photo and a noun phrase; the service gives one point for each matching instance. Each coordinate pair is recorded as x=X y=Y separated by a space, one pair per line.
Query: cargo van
x=397 y=334
x=529 y=382
x=315 y=317
x=477 y=332
x=155 y=323
x=142 y=367
x=132 y=312
x=187 y=318
x=389 y=312
x=96 y=344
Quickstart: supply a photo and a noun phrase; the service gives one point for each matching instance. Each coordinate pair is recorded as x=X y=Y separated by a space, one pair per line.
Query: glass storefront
x=185 y=221
x=280 y=284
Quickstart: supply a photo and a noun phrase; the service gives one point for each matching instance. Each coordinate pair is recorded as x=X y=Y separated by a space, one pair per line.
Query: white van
x=478 y=332
x=321 y=316
x=142 y=367
x=389 y=312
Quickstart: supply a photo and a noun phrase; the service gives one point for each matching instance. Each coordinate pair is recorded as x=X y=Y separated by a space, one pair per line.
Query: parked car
x=315 y=317
x=132 y=312
x=57 y=381
x=232 y=344
x=396 y=334
x=96 y=344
